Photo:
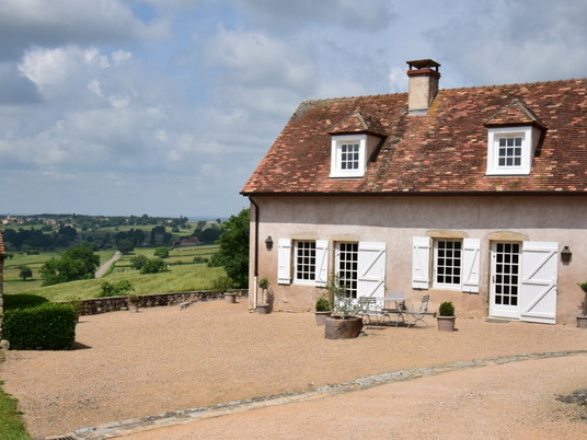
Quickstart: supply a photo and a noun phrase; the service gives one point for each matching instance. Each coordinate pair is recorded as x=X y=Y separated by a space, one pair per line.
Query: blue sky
x=165 y=107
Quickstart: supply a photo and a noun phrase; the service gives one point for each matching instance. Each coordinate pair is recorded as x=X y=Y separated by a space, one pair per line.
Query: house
x=474 y=195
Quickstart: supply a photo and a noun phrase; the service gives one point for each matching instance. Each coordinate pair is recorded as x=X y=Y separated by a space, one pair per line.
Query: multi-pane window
x=347 y=264
x=509 y=151
x=507 y=269
x=305 y=260
x=349 y=156
x=448 y=262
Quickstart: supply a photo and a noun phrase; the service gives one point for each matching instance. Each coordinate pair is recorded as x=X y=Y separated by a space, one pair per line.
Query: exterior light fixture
x=269 y=243
x=566 y=255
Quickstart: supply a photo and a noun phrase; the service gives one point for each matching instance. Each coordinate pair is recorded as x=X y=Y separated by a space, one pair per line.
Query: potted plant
x=133 y=303
x=230 y=296
x=323 y=309
x=446 y=317
x=582 y=318
x=263 y=307
x=343 y=324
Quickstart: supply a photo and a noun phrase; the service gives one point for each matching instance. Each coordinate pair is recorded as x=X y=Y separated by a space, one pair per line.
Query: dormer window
x=348 y=156
x=511 y=147
x=510 y=151
x=354 y=141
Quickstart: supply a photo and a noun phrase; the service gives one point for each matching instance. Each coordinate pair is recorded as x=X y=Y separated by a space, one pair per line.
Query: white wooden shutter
x=284 y=261
x=537 y=299
x=371 y=269
x=470 y=265
x=421 y=262
x=321 y=263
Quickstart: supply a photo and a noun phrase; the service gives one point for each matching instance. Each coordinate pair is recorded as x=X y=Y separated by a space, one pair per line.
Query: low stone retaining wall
x=116 y=303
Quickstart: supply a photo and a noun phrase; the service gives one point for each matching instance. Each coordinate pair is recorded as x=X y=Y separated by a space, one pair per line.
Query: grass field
x=183 y=275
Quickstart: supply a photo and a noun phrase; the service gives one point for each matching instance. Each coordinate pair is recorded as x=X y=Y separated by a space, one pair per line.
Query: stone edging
x=181 y=417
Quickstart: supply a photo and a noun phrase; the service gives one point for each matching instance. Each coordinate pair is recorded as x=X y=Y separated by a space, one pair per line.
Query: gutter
x=256 y=253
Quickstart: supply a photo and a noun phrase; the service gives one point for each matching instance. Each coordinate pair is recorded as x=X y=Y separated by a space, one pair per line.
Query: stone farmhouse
x=474 y=195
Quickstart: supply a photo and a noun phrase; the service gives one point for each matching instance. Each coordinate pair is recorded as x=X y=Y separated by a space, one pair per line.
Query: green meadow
x=182 y=275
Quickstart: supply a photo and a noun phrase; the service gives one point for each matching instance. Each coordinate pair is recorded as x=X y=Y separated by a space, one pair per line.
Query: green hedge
x=22 y=301
x=47 y=327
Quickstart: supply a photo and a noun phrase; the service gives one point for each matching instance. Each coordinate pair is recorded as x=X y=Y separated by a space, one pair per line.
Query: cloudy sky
x=165 y=107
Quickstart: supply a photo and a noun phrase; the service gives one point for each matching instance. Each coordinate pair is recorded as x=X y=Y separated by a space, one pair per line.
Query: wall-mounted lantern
x=269 y=243
x=566 y=255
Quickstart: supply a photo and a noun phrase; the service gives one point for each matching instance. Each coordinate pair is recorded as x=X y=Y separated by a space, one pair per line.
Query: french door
x=505 y=280
x=524 y=281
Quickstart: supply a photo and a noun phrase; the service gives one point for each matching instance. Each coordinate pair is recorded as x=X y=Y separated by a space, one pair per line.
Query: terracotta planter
x=321 y=317
x=446 y=323
x=133 y=306
x=263 y=309
x=338 y=328
x=230 y=298
x=582 y=321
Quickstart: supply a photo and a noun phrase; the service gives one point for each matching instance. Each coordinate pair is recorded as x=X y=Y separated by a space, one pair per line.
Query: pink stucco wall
x=395 y=220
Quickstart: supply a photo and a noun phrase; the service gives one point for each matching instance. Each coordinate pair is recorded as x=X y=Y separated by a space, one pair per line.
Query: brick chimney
x=423 y=87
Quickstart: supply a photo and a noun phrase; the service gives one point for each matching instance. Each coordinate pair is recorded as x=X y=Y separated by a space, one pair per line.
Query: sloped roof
x=444 y=151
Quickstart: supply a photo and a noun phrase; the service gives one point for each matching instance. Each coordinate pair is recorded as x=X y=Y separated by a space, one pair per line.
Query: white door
x=523 y=281
x=505 y=280
x=538 y=288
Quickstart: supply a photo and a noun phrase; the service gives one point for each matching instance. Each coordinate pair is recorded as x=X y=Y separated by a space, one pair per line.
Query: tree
x=233 y=253
x=138 y=261
x=125 y=246
x=161 y=252
x=154 y=265
x=75 y=264
x=25 y=272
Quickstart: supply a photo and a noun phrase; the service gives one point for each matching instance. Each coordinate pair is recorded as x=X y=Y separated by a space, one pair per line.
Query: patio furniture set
x=392 y=310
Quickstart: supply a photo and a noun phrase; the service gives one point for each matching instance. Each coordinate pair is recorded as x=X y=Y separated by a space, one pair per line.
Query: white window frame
x=529 y=136
x=443 y=285
x=424 y=264
x=296 y=264
x=336 y=155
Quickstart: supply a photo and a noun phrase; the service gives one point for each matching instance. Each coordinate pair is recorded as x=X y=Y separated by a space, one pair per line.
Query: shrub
x=47 y=327
x=446 y=309
x=198 y=260
x=121 y=287
x=222 y=283
x=23 y=301
x=322 y=304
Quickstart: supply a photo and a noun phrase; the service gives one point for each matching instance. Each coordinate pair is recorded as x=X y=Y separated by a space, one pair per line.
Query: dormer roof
x=516 y=113
x=357 y=122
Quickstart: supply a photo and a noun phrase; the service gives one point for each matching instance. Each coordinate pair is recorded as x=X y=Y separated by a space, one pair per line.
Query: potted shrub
x=582 y=318
x=446 y=317
x=323 y=309
x=343 y=324
x=263 y=307
x=133 y=303
x=230 y=296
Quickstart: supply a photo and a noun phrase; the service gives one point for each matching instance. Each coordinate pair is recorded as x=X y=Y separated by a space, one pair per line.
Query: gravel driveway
x=163 y=359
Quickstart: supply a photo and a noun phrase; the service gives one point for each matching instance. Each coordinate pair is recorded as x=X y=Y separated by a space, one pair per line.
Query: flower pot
x=321 y=317
x=338 y=328
x=133 y=306
x=582 y=321
x=446 y=323
x=230 y=298
x=263 y=309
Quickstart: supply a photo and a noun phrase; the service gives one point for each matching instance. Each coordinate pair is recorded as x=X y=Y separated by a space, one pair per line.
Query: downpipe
x=255 y=254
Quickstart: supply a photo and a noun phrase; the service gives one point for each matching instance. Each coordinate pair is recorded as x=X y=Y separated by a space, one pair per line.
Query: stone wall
x=116 y=303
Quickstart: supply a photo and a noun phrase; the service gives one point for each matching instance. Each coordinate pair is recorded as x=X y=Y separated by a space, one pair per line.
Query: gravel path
x=164 y=359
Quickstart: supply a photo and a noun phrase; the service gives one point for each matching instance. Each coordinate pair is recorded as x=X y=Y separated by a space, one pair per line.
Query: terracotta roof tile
x=442 y=151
